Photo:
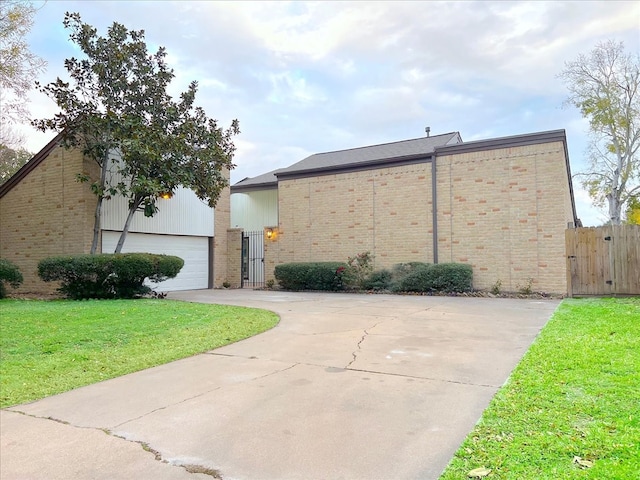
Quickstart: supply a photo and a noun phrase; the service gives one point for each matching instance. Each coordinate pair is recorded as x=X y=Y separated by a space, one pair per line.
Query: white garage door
x=193 y=250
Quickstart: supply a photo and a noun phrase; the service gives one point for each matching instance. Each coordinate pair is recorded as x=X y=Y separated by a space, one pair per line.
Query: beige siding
x=48 y=213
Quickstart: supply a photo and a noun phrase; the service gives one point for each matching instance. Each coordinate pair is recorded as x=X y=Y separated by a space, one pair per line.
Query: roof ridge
x=383 y=144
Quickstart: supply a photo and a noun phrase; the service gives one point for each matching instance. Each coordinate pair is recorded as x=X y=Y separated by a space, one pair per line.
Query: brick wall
x=48 y=213
x=385 y=211
x=222 y=221
x=504 y=211
x=271 y=252
x=234 y=258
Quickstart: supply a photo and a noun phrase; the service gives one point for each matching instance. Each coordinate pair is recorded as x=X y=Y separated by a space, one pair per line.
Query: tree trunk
x=614 y=209
x=123 y=236
x=97 y=219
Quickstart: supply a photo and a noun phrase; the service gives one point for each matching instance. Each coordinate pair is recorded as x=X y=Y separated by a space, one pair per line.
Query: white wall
x=254 y=210
x=184 y=214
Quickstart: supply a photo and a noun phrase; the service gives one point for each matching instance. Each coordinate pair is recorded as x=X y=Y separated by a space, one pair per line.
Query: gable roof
x=265 y=181
x=30 y=165
x=405 y=151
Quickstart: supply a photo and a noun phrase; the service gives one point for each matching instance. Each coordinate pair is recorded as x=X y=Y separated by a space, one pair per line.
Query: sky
x=310 y=77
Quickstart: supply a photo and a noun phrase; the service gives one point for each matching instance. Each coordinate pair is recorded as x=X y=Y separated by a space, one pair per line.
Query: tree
x=633 y=211
x=18 y=65
x=604 y=86
x=11 y=160
x=120 y=114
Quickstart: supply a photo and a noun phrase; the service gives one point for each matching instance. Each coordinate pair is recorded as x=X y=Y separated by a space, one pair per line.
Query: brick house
x=501 y=205
x=44 y=212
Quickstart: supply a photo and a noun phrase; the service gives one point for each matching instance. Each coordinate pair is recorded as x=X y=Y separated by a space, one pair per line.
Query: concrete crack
x=189 y=467
x=432 y=379
x=359 y=345
x=164 y=407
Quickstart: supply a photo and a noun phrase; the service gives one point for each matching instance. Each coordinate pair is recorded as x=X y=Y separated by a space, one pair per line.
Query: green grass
x=576 y=393
x=48 y=347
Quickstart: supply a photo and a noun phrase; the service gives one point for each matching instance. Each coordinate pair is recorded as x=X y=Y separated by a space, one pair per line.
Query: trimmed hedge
x=441 y=277
x=378 y=280
x=9 y=275
x=120 y=275
x=391 y=279
x=328 y=276
x=404 y=277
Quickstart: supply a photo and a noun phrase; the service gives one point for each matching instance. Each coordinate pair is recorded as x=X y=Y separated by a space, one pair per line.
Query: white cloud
x=310 y=77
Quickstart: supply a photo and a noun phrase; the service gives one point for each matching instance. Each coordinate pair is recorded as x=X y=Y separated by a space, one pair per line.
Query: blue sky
x=308 y=77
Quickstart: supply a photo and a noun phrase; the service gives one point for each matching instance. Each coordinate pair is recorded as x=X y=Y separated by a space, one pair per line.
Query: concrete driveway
x=345 y=387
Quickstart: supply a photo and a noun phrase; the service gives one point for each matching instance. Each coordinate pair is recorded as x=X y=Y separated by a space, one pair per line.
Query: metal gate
x=253 y=259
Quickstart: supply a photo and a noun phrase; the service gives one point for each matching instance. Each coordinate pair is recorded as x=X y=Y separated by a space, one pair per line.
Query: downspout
x=434 y=208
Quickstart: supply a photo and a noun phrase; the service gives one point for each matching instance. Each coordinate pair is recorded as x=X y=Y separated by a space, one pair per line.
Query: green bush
x=9 y=275
x=328 y=276
x=359 y=269
x=379 y=280
x=108 y=275
x=441 y=277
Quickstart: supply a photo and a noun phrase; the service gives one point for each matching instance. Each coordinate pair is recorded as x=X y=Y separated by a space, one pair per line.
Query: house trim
x=359 y=167
x=517 y=141
x=28 y=167
x=254 y=187
x=503 y=142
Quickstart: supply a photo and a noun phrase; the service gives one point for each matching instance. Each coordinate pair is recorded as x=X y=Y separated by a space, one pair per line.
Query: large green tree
x=604 y=86
x=117 y=109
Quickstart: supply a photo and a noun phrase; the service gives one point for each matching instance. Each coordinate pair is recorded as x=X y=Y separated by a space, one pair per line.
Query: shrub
x=108 y=275
x=359 y=269
x=328 y=276
x=526 y=289
x=441 y=277
x=9 y=275
x=379 y=280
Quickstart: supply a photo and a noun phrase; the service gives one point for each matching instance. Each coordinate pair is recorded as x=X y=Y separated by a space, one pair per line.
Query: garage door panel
x=193 y=250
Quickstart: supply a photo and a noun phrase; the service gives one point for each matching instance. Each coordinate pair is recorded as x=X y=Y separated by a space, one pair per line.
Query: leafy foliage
x=604 y=86
x=9 y=275
x=11 y=160
x=441 y=277
x=359 y=269
x=633 y=211
x=108 y=275
x=378 y=280
x=18 y=65
x=326 y=276
x=119 y=112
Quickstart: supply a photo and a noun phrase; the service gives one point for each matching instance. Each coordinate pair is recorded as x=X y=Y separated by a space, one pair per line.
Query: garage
x=194 y=250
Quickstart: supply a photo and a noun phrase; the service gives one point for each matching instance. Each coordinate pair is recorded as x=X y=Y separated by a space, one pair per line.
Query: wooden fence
x=603 y=260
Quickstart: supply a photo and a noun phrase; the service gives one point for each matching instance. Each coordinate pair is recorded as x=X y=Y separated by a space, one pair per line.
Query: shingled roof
x=371 y=156
x=261 y=182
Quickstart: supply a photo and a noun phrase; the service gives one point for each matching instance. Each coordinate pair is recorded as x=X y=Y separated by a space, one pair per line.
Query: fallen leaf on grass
x=479 y=472
x=582 y=462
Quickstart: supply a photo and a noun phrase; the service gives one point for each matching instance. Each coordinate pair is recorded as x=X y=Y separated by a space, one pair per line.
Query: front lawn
x=571 y=409
x=48 y=347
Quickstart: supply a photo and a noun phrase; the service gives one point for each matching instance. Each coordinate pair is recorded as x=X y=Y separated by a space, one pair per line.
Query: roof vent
x=427 y=130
